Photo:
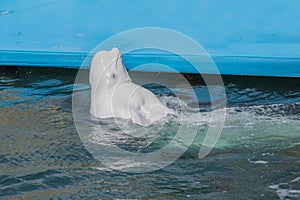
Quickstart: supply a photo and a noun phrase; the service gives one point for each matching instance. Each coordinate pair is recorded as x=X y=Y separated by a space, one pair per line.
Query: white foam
x=267 y=154
x=258 y=161
x=286 y=193
x=295 y=180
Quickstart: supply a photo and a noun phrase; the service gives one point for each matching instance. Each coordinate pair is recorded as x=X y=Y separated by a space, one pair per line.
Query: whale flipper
x=139 y=117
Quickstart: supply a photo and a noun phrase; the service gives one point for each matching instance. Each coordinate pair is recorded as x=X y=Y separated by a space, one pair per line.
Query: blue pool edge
x=226 y=64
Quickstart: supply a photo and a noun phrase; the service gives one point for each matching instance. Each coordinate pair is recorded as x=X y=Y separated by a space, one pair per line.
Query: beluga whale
x=115 y=95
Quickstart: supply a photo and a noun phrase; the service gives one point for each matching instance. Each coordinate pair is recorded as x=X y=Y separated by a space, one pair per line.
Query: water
x=42 y=156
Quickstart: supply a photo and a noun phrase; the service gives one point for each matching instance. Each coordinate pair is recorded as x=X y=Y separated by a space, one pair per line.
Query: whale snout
x=115 y=51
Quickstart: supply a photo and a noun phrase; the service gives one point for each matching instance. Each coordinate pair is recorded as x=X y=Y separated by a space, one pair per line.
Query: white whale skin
x=114 y=95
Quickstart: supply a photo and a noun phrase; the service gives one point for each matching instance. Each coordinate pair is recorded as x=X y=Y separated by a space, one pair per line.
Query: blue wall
x=253 y=28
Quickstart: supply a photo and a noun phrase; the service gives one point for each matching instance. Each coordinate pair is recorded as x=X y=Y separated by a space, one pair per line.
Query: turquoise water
x=42 y=156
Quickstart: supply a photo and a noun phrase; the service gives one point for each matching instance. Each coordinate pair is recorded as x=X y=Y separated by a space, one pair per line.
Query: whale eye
x=113 y=75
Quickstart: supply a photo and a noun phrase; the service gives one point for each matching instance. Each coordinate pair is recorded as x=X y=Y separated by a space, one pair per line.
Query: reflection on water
x=42 y=156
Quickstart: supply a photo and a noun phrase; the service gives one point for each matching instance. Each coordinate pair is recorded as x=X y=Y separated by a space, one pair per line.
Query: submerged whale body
x=113 y=94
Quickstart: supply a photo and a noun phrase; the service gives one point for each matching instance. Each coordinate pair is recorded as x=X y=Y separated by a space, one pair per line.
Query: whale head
x=107 y=69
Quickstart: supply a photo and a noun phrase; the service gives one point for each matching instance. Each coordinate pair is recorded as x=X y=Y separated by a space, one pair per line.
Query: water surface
x=42 y=156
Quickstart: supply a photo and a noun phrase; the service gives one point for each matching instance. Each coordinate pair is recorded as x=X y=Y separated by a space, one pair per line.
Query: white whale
x=113 y=94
